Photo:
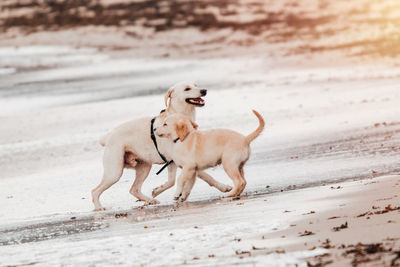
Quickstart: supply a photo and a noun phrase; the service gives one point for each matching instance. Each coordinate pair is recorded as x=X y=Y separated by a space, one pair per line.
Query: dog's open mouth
x=198 y=101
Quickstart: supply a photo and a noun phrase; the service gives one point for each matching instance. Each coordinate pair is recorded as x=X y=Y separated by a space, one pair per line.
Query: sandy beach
x=322 y=180
x=358 y=228
x=352 y=223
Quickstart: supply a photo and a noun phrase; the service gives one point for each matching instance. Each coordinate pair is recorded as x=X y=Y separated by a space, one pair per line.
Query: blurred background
x=325 y=74
x=207 y=28
x=87 y=43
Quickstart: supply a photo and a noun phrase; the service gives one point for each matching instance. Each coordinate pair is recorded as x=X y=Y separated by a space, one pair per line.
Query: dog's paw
x=231 y=196
x=155 y=192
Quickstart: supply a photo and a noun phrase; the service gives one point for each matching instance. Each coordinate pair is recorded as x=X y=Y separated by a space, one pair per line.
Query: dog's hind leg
x=212 y=182
x=170 y=183
x=113 y=163
x=142 y=171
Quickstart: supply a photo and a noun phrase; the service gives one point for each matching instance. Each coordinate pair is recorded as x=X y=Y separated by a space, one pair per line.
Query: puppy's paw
x=153 y=201
x=181 y=200
x=183 y=197
x=226 y=188
x=176 y=197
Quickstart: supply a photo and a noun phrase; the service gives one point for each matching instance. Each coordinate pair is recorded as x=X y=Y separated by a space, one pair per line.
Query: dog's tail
x=260 y=128
x=103 y=140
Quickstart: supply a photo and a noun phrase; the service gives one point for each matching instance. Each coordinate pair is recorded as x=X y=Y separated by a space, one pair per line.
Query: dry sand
x=361 y=225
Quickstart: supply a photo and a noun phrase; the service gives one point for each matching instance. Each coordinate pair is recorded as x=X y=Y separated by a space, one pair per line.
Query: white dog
x=130 y=145
x=195 y=151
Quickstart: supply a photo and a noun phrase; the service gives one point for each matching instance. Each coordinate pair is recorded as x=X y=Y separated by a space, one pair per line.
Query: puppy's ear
x=195 y=125
x=182 y=130
x=168 y=95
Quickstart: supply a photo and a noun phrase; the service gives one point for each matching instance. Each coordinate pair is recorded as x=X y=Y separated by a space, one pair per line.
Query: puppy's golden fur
x=198 y=150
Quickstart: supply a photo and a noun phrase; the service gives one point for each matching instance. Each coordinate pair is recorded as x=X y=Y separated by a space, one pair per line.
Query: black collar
x=153 y=137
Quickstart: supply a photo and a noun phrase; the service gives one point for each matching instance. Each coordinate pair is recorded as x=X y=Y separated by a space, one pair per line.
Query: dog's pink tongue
x=200 y=100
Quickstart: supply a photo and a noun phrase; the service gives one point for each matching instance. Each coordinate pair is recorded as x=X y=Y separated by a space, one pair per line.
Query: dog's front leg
x=170 y=183
x=186 y=174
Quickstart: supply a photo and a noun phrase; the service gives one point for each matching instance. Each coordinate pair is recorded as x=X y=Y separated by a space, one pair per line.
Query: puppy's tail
x=260 y=128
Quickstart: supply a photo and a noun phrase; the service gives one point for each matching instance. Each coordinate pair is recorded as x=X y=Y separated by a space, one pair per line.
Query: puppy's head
x=176 y=126
x=185 y=93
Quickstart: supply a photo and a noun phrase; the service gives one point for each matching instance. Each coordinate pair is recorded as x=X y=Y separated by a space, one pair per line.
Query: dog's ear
x=168 y=95
x=182 y=130
x=195 y=125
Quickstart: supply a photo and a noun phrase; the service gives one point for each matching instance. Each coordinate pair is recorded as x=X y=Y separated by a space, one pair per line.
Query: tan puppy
x=198 y=150
x=131 y=146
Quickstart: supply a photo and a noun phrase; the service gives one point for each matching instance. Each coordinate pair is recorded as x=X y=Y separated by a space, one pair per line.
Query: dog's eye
x=187 y=89
x=164 y=124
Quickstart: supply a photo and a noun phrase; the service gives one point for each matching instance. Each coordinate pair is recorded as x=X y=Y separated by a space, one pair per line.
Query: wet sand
x=324 y=74
x=348 y=223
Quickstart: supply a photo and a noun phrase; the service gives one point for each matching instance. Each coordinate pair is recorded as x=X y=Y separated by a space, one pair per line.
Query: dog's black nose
x=203 y=92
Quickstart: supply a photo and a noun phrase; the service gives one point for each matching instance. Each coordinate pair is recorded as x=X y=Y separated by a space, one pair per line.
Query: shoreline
x=56 y=219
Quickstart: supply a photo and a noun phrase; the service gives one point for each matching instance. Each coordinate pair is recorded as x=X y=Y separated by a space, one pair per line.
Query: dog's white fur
x=130 y=146
x=199 y=150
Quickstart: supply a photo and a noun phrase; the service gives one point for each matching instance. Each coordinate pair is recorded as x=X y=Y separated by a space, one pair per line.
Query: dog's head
x=176 y=126
x=185 y=93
